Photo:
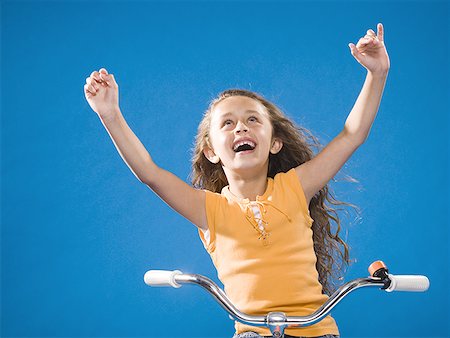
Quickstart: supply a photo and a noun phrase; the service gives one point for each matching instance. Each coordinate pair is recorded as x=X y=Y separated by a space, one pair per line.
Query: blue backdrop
x=79 y=230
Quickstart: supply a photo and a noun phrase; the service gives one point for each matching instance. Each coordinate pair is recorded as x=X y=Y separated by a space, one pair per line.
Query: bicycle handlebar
x=410 y=283
x=278 y=321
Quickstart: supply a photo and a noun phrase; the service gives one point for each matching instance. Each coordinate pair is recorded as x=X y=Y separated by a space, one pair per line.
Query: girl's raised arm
x=371 y=53
x=101 y=91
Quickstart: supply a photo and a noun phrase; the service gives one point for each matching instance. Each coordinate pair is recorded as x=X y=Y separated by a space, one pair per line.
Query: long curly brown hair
x=298 y=144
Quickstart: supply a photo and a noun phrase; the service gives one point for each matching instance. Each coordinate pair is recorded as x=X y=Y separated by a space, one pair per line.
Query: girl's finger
x=95 y=76
x=371 y=32
x=92 y=89
x=104 y=78
x=363 y=42
x=88 y=89
x=370 y=37
x=103 y=70
x=92 y=82
x=380 y=29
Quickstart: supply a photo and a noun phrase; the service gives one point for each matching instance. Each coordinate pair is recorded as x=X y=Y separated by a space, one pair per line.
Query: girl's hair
x=331 y=251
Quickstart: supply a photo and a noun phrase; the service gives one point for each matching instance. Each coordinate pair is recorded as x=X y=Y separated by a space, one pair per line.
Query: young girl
x=258 y=195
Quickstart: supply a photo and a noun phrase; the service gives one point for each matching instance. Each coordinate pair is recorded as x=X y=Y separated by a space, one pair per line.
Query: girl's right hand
x=102 y=93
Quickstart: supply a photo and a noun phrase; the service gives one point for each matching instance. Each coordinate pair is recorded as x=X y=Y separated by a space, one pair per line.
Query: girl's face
x=241 y=134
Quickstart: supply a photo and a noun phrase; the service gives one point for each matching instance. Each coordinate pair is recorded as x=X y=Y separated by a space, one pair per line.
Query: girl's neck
x=243 y=186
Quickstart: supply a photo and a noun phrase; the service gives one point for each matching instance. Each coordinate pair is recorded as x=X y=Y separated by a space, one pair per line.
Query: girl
x=258 y=195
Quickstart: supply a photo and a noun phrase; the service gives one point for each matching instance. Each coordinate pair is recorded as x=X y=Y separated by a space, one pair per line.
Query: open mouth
x=244 y=147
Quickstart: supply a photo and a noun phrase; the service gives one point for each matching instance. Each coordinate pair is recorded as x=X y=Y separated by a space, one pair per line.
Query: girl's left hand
x=371 y=53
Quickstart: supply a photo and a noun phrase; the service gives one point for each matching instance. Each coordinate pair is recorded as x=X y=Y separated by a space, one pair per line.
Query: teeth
x=250 y=143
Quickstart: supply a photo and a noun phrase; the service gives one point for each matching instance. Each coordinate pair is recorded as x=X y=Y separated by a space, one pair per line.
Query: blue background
x=79 y=230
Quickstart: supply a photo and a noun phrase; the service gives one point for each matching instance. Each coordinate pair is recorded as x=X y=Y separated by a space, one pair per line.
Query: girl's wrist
x=109 y=115
x=379 y=73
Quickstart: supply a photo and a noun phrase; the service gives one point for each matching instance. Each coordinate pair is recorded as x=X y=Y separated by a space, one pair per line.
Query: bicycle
x=278 y=321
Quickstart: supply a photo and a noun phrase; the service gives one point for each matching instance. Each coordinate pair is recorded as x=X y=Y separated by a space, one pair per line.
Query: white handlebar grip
x=162 y=278
x=408 y=283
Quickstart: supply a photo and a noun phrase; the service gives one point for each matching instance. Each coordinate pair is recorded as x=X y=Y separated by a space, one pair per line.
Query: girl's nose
x=241 y=127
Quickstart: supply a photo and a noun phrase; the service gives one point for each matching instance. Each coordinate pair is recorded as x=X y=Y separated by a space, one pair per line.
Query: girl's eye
x=252 y=119
x=227 y=122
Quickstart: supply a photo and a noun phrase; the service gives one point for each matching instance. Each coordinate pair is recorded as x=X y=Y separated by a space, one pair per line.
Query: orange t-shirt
x=264 y=255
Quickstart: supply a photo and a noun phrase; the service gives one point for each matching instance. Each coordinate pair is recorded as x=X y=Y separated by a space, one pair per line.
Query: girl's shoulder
x=290 y=186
